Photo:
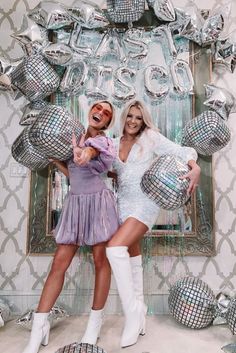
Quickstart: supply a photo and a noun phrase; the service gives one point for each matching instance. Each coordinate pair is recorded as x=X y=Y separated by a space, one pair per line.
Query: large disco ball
x=161 y=182
x=26 y=154
x=52 y=132
x=191 y=302
x=207 y=133
x=35 y=77
x=231 y=316
x=80 y=348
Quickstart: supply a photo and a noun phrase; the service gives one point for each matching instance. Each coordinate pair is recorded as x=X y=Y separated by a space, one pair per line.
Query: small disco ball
x=191 y=302
x=207 y=133
x=57 y=313
x=161 y=182
x=52 y=132
x=80 y=348
x=35 y=77
x=5 y=312
x=231 y=316
x=125 y=11
x=26 y=154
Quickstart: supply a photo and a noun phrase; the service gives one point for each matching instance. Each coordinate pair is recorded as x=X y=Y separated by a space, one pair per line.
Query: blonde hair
x=112 y=121
x=147 y=119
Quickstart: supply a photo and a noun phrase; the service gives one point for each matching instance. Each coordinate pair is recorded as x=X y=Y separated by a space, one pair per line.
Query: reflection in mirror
x=169 y=99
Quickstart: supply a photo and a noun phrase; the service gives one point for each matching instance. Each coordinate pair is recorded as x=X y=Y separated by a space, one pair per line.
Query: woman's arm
x=60 y=166
x=193 y=175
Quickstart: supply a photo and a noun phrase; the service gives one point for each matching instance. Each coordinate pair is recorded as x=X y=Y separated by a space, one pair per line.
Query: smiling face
x=134 y=122
x=100 y=115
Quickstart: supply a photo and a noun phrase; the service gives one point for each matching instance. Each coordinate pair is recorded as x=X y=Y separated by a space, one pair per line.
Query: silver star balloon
x=30 y=32
x=50 y=14
x=225 y=52
x=164 y=9
x=87 y=14
x=220 y=100
x=212 y=29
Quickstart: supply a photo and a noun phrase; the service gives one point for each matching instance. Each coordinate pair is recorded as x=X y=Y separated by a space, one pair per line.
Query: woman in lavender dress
x=89 y=217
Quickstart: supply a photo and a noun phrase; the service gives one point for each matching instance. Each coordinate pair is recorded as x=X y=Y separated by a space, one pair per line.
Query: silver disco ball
x=191 y=302
x=231 y=316
x=80 y=348
x=125 y=11
x=35 y=77
x=207 y=133
x=52 y=132
x=26 y=154
x=161 y=182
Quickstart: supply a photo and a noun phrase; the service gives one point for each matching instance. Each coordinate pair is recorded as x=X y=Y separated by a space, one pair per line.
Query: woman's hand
x=77 y=149
x=193 y=175
x=82 y=155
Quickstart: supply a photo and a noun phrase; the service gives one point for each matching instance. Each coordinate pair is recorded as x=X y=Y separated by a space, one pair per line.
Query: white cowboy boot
x=137 y=274
x=134 y=309
x=93 y=327
x=39 y=333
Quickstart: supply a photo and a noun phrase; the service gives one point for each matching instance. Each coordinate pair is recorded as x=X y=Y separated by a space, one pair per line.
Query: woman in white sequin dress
x=139 y=144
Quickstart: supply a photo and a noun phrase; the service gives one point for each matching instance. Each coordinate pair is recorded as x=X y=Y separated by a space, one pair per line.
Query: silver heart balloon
x=161 y=182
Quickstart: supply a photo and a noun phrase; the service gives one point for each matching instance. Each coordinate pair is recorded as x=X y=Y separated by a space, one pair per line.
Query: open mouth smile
x=97 y=117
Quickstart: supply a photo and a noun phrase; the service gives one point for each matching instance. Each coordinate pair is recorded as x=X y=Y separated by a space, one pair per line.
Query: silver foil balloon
x=30 y=32
x=133 y=39
x=35 y=77
x=111 y=44
x=125 y=11
x=161 y=182
x=74 y=78
x=80 y=348
x=75 y=39
x=26 y=154
x=52 y=132
x=156 y=72
x=5 y=312
x=87 y=14
x=207 y=133
x=123 y=90
x=164 y=9
x=98 y=73
x=50 y=14
x=163 y=32
x=225 y=52
x=220 y=100
x=31 y=112
x=179 y=68
x=212 y=29
x=57 y=313
x=191 y=302
x=58 y=53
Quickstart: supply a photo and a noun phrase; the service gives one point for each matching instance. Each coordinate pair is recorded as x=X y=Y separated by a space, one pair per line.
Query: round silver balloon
x=50 y=14
x=161 y=182
x=220 y=100
x=52 y=132
x=87 y=14
x=125 y=11
x=80 y=348
x=191 y=302
x=35 y=77
x=164 y=9
x=207 y=133
x=57 y=313
x=26 y=154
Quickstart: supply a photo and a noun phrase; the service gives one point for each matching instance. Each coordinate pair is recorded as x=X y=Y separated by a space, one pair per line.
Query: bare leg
x=54 y=283
x=135 y=249
x=102 y=276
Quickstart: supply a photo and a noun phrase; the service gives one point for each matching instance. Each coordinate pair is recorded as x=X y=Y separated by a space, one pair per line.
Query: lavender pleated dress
x=89 y=214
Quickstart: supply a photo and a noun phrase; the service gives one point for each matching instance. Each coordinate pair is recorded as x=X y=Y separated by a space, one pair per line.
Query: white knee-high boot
x=134 y=309
x=137 y=274
x=93 y=327
x=39 y=333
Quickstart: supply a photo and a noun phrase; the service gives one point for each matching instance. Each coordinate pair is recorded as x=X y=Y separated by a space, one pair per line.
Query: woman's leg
x=51 y=290
x=130 y=232
x=137 y=269
x=101 y=290
x=55 y=280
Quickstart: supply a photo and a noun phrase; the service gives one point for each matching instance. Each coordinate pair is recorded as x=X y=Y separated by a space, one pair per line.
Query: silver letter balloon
x=191 y=302
x=161 y=182
x=207 y=133
x=52 y=132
